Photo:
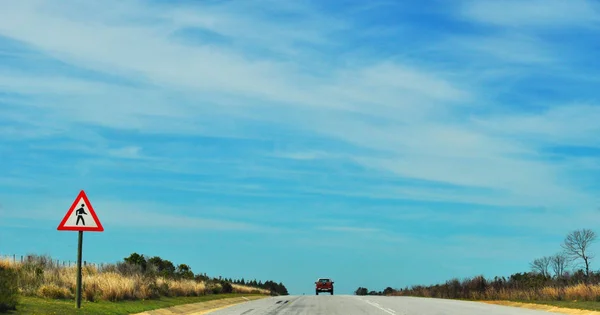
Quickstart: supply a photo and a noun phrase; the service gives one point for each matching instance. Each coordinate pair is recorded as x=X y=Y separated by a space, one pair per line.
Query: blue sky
x=382 y=144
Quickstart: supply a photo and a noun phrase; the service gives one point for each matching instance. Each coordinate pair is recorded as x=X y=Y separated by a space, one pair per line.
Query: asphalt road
x=372 y=305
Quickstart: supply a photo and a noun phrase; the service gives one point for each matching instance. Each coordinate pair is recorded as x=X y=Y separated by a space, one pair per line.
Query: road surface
x=371 y=305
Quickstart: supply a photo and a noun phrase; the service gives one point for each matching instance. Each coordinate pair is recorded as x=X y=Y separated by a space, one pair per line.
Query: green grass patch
x=38 y=306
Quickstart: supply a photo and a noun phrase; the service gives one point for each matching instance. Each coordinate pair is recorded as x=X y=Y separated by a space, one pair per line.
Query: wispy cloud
x=507 y=48
x=135 y=215
x=130 y=152
x=413 y=113
x=536 y=13
x=348 y=229
x=287 y=110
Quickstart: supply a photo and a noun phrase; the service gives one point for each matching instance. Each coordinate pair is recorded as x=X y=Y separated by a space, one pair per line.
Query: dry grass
x=579 y=292
x=53 y=291
x=248 y=290
x=42 y=279
x=7 y=263
x=183 y=287
x=547 y=308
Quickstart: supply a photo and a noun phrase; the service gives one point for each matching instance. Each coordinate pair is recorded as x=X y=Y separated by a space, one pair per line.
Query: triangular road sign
x=81 y=216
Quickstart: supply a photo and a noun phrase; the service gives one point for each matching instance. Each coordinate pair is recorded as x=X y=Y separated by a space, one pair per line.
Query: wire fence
x=53 y=262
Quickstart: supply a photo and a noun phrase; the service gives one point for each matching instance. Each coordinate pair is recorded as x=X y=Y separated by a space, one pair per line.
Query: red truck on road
x=324 y=285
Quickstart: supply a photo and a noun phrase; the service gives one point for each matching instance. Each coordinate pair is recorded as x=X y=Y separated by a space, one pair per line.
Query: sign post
x=79 y=286
x=81 y=211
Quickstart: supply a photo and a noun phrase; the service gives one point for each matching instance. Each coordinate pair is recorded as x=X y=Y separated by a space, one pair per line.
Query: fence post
x=14 y=258
x=21 y=258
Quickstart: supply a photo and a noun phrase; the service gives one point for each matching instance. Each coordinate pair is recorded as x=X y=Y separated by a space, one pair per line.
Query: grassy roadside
x=563 y=307
x=34 y=305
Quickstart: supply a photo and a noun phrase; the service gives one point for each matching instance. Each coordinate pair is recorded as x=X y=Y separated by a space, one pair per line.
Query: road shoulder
x=201 y=307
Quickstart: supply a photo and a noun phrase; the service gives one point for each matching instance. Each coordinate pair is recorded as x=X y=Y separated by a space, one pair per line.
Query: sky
x=387 y=143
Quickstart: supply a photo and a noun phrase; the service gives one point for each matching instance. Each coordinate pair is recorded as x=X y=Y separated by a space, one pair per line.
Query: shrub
x=226 y=287
x=149 y=290
x=129 y=269
x=214 y=288
x=52 y=291
x=8 y=289
x=41 y=276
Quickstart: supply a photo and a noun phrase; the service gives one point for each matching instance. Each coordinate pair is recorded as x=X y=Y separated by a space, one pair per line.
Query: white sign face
x=81 y=216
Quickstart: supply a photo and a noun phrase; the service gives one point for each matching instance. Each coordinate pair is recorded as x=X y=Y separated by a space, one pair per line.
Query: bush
x=226 y=287
x=8 y=289
x=42 y=277
x=214 y=288
x=361 y=291
x=52 y=291
x=129 y=269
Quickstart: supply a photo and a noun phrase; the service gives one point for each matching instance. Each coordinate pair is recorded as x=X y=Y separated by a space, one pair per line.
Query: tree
x=576 y=246
x=184 y=271
x=542 y=265
x=388 y=291
x=361 y=291
x=559 y=264
x=282 y=290
x=137 y=259
x=164 y=267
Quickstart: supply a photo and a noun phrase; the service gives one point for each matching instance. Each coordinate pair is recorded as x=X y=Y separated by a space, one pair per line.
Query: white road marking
x=387 y=310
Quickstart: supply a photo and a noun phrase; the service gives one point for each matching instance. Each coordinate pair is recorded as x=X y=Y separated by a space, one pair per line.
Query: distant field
x=34 y=305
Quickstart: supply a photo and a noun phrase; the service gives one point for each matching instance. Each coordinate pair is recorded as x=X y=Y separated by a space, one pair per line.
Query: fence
x=53 y=262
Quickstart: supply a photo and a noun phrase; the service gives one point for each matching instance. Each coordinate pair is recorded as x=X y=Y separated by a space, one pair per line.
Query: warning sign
x=81 y=216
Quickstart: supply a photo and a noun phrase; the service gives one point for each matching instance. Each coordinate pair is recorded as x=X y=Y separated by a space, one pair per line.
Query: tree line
x=365 y=291
x=569 y=267
x=157 y=266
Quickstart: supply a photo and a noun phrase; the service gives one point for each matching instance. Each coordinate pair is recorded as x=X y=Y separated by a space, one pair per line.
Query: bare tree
x=542 y=265
x=559 y=264
x=576 y=246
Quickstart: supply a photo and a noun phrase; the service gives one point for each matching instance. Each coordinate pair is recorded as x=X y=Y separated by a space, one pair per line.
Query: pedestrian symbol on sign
x=81 y=216
x=80 y=212
x=71 y=223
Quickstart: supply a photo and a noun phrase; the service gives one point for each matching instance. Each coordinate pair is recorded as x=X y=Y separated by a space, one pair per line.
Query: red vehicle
x=324 y=285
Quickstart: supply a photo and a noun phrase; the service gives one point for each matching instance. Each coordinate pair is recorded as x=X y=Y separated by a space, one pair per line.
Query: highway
x=372 y=305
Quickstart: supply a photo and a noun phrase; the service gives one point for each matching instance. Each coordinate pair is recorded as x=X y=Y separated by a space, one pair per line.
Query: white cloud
x=573 y=124
x=130 y=152
x=500 y=49
x=545 y=13
x=416 y=117
x=303 y=155
x=131 y=214
x=348 y=229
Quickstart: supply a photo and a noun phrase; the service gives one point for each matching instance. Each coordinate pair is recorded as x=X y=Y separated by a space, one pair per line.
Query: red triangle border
x=99 y=228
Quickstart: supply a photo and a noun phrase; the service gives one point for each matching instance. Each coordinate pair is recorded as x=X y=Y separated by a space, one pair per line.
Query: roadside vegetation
x=134 y=278
x=564 y=278
x=36 y=306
